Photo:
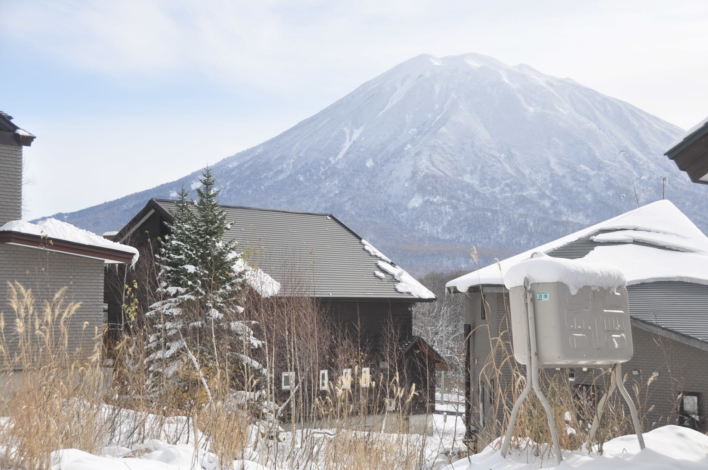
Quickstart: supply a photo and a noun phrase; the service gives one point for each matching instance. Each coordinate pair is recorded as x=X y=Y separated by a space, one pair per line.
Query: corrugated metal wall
x=10 y=183
x=45 y=273
x=678 y=306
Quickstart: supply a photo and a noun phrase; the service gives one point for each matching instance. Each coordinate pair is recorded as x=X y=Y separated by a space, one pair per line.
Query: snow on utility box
x=581 y=312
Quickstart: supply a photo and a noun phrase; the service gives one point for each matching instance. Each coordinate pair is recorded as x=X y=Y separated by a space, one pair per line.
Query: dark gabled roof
x=11 y=134
x=419 y=343
x=309 y=254
x=690 y=152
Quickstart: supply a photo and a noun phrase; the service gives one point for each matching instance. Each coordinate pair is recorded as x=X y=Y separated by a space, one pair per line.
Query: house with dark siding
x=690 y=152
x=664 y=257
x=50 y=255
x=309 y=255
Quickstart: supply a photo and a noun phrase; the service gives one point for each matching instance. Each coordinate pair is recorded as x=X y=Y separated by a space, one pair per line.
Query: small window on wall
x=346 y=379
x=365 y=377
x=483 y=310
x=324 y=379
x=690 y=410
x=288 y=380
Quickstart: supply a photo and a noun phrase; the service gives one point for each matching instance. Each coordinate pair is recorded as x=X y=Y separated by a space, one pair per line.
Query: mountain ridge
x=438 y=154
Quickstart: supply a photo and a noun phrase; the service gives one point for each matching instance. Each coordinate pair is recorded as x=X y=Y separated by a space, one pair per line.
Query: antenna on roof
x=664 y=184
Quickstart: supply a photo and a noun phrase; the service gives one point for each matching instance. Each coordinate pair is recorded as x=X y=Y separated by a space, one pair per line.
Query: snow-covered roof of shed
x=315 y=255
x=656 y=242
x=57 y=230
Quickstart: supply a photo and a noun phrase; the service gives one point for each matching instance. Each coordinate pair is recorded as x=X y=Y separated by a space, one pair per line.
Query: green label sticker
x=542 y=296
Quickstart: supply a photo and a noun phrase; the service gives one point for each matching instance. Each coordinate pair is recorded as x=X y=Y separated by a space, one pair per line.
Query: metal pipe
x=534 y=376
x=630 y=404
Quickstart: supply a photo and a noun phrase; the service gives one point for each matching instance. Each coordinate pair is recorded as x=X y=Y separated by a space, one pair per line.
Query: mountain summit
x=439 y=154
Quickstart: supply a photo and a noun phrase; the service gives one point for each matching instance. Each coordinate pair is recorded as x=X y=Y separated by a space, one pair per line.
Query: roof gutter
x=63 y=246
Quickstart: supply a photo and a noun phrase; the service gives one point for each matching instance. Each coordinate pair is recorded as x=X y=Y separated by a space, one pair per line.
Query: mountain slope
x=439 y=154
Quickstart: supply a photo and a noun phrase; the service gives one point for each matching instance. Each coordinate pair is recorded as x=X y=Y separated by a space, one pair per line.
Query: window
x=482 y=309
x=365 y=377
x=288 y=380
x=346 y=379
x=324 y=379
x=690 y=410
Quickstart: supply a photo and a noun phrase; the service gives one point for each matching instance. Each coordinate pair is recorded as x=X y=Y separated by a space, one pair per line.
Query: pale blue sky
x=125 y=95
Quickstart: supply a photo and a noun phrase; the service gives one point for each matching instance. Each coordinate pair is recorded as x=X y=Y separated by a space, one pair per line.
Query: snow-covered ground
x=441 y=448
x=668 y=447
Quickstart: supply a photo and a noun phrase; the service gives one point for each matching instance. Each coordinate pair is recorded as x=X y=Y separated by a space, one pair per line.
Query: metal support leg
x=600 y=408
x=535 y=380
x=532 y=382
x=514 y=414
x=616 y=382
x=630 y=404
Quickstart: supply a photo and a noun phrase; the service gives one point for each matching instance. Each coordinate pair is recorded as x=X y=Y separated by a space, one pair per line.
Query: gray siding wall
x=45 y=273
x=487 y=316
x=10 y=183
x=680 y=368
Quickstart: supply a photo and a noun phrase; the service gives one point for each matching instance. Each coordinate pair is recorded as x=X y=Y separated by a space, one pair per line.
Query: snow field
x=667 y=448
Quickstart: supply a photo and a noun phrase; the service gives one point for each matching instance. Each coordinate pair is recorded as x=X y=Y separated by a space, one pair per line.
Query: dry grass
x=56 y=396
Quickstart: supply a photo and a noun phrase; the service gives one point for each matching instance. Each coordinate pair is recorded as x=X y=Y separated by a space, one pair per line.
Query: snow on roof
x=688 y=133
x=406 y=283
x=58 y=230
x=259 y=280
x=23 y=133
x=681 y=252
x=573 y=273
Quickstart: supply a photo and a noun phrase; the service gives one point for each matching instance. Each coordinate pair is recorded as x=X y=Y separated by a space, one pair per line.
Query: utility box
x=588 y=329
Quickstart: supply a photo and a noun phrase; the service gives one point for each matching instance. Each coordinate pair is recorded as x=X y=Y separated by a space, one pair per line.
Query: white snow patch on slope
x=401 y=89
x=369 y=163
x=349 y=139
x=58 y=230
x=667 y=447
x=373 y=251
x=659 y=223
x=406 y=283
x=415 y=201
x=195 y=184
x=573 y=273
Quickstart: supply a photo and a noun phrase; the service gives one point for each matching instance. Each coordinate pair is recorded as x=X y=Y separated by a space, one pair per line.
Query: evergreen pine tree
x=194 y=329
x=219 y=281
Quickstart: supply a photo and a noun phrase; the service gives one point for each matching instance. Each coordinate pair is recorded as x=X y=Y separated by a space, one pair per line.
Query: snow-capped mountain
x=440 y=154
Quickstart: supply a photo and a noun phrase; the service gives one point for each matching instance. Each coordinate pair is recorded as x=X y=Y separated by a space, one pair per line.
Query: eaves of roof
x=62 y=246
x=669 y=334
x=12 y=134
x=690 y=153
